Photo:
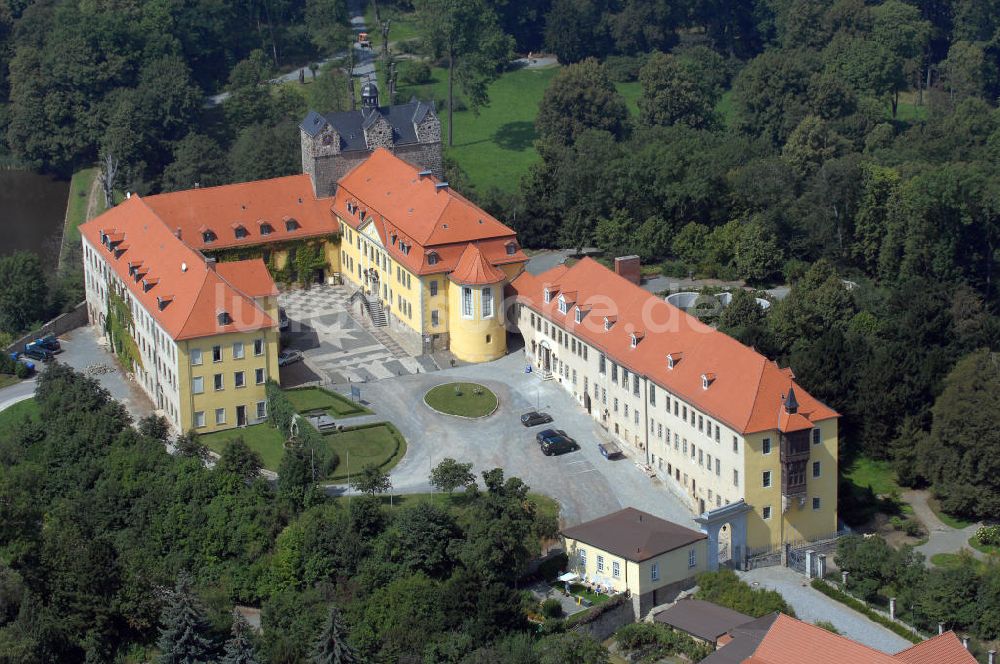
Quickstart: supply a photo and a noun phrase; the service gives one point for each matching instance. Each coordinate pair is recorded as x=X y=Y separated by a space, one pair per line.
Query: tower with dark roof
x=334 y=143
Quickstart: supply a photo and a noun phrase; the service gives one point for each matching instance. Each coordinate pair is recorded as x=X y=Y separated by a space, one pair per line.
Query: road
x=17 y=392
x=941 y=538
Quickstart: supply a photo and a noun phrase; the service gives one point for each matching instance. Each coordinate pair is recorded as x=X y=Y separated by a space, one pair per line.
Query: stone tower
x=334 y=143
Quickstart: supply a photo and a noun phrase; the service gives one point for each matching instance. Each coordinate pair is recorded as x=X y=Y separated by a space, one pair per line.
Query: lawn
x=879 y=475
x=956 y=522
x=496 y=147
x=307 y=399
x=402 y=26
x=951 y=559
x=580 y=590
x=462 y=399
x=377 y=444
x=8 y=379
x=264 y=439
x=985 y=548
x=631 y=91
x=11 y=417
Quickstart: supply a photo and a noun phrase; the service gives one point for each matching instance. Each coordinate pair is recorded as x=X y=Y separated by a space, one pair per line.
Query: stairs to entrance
x=376 y=311
x=545 y=374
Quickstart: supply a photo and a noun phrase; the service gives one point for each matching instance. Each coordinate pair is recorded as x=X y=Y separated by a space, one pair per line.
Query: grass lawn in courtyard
x=11 y=417
x=307 y=399
x=378 y=444
x=463 y=399
x=952 y=559
x=580 y=590
x=263 y=439
x=879 y=475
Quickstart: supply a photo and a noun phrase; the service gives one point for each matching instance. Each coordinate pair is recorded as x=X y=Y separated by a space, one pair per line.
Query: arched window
x=487 y=302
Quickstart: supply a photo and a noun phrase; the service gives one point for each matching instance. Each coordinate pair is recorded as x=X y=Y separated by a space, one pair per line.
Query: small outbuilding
x=705 y=621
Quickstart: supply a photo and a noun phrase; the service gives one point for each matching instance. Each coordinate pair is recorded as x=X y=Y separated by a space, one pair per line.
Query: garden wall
x=605 y=619
x=61 y=324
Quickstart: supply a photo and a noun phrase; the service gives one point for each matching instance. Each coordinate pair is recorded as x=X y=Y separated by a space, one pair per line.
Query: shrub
x=550 y=568
x=989 y=535
x=897 y=523
x=674 y=268
x=828 y=626
x=552 y=608
x=913 y=528
x=624 y=68
x=862 y=608
x=21 y=370
x=414 y=72
x=726 y=589
x=652 y=642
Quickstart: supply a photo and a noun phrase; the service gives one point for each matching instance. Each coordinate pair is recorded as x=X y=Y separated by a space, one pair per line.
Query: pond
x=32 y=210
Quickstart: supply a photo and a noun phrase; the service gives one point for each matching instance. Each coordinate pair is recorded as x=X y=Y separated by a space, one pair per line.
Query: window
x=238 y=350
x=626 y=410
x=220 y=415
x=433 y=286
x=602 y=364
x=582 y=556
x=635 y=384
x=198 y=385
x=636 y=415
x=718 y=467
x=261 y=410
x=196 y=358
x=685 y=415
x=692 y=557
x=817 y=439
x=466 y=302
x=258 y=346
x=548 y=296
x=199 y=419
x=224 y=318
x=716 y=433
x=736 y=445
x=766 y=447
x=616 y=404
x=266 y=229
x=579 y=315
x=701 y=423
x=487 y=302
x=489 y=338
x=816 y=503
x=614 y=372
x=766 y=512
x=654 y=572
x=217 y=381
x=432 y=258
x=208 y=236
x=816 y=469
x=258 y=376
x=511 y=248
x=616 y=569
x=216 y=353
x=600 y=563
x=652 y=395
x=239 y=379
x=435 y=318
x=562 y=304
x=291 y=225
x=241 y=232
x=766 y=479
x=701 y=457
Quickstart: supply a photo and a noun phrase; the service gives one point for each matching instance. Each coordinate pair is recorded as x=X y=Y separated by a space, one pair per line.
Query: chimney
x=425 y=174
x=940 y=629
x=438 y=186
x=210 y=262
x=965 y=642
x=628 y=267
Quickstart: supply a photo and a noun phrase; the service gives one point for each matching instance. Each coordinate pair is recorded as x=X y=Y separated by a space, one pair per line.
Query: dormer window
x=240 y=231
x=149 y=283
x=224 y=318
x=636 y=338
x=548 y=295
x=163 y=300
x=208 y=236
x=609 y=322
x=579 y=315
x=511 y=248
x=706 y=380
x=562 y=304
x=433 y=258
x=673 y=359
x=266 y=228
x=291 y=224
x=392 y=238
x=120 y=249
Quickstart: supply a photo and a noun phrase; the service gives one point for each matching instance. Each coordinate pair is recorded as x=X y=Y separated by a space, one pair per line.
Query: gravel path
x=811 y=606
x=941 y=537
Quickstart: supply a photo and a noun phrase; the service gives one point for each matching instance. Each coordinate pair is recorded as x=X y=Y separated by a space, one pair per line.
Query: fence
x=794 y=552
x=59 y=325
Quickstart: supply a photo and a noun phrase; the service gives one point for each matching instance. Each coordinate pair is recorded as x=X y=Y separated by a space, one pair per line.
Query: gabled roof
x=942 y=649
x=249 y=276
x=351 y=125
x=192 y=291
x=748 y=390
x=633 y=534
x=220 y=209
x=705 y=620
x=411 y=214
x=474 y=270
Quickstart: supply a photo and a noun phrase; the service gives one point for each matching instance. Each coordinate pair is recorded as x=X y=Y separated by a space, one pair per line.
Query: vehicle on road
x=555 y=441
x=282 y=319
x=610 y=450
x=289 y=356
x=49 y=342
x=534 y=418
x=37 y=352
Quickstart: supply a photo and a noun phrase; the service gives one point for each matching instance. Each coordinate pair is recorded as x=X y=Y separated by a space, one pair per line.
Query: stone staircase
x=376 y=311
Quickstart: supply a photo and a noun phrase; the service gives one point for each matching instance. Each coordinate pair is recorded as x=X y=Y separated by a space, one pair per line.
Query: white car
x=288 y=356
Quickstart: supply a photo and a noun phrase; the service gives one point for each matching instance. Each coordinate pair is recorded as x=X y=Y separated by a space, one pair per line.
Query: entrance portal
x=732 y=517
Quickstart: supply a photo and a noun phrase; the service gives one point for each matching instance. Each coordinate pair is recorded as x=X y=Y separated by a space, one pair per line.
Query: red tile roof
x=249 y=276
x=414 y=216
x=474 y=270
x=251 y=205
x=747 y=390
x=193 y=294
x=942 y=649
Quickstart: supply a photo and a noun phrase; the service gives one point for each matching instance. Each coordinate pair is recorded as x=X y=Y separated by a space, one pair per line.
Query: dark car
x=36 y=352
x=49 y=342
x=534 y=418
x=542 y=436
x=282 y=319
x=559 y=444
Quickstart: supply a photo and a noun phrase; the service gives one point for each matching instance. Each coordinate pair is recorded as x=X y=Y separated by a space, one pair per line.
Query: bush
x=989 y=535
x=862 y=608
x=652 y=642
x=674 y=268
x=897 y=522
x=414 y=72
x=552 y=608
x=21 y=370
x=551 y=568
x=913 y=528
x=726 y=589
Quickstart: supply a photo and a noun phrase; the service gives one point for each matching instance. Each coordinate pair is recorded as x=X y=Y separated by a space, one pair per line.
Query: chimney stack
x=628 y=267
x=940 y=629
x=210 y=262
x=965 y=642
x=439 y=186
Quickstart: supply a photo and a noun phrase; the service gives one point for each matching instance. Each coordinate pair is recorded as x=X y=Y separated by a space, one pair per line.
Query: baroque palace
x=183 y=285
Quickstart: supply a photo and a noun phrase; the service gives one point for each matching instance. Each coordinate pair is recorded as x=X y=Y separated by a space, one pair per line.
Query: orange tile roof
x=250 y=277
x=250 y=205
x=414 y=216
x=748 y=389
x=192 y=293
x=942 y=649
x=474 y=270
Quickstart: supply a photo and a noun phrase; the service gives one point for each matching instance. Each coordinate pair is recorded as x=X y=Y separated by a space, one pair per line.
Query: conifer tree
x=184 y=630
x=331 y=647
x=239 y=648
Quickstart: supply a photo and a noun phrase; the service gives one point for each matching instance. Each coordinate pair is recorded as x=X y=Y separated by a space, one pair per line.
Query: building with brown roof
x=636 y=552
x=731 y=430
x=779 y=639
x=706 y=621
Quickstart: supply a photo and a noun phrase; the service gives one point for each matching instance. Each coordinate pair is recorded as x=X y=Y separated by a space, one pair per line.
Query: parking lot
x=584 y=482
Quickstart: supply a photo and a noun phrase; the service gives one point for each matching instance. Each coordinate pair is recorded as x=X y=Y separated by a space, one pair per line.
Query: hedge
x=397 y=437
x=836 y=593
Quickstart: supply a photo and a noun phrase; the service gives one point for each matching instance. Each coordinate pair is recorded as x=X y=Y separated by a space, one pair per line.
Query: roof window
x=266 y=228
x=433 y=258
x=208 y=236
x=240 y=231
x=609 y=322
x=291 y=224
x=224 y=318
x=511 y=248
x=673 y=359
x=706 y=380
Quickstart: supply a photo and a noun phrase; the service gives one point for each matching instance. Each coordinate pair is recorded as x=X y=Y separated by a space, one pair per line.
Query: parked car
x=542 y=436
x=288 y=356
x=559 y=444
x=49 y=342
x=610 y=450
x=282 y=319
x=36 y=352
x=534 y=418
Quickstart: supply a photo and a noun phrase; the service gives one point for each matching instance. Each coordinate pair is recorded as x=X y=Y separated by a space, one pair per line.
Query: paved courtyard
x=337 y=347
